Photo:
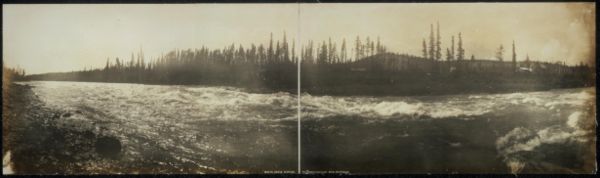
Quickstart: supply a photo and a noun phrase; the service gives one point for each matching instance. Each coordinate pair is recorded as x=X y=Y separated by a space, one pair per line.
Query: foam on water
x=453 y=106
x=168 y=116
x=171 y=113
x=560 y=119
x=517 y=146
x=153 y=102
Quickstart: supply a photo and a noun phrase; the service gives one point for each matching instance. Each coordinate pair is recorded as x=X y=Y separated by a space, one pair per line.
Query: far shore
x=409 y=89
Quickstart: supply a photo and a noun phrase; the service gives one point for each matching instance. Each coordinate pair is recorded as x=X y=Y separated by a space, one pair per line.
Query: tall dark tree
x=294 y=59
x=270 y=51
x=431 y=44
x=322 y=58
x=372 y=46
x=368 y=46
x=514 y=57
x=261 y=55
x=438 y=48
x=357 y=49
x=424 y=50
x=118 y=63
x=334 y=54
x=107 y=66
x=330 y=54
x=500 y=53
x=343 y=52
x=461 y=52
x=452 y=53
x=378 y=46
x=286 y=54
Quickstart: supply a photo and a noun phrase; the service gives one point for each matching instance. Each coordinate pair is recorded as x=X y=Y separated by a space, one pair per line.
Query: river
x=192 y=129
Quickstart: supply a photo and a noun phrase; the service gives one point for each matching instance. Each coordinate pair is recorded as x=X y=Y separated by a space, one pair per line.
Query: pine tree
x=424 y=49
x=452 y=49
x=286 y=54
x=330 y=55
x=431 y=44
x=323 y=54
x=500 y=53
x=261 y=54
x=438 y=50
x=294 y=51
x=278 y=52
x=344 y=54
x=132 y=58
x=357 y=50
x=461 y=52
x=372 y=48
x=118 y=64
x=270 y=49
x=368 y=46
x=514 y=57
x=378 y=47
x=107 y=64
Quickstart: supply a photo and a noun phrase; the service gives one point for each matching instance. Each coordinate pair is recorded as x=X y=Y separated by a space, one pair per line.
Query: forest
x=365 y=67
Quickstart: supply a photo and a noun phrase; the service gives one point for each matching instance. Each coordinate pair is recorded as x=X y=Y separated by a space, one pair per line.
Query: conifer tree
x=424 y=50
x=452 y=49
x=500 y=53
x=438 y=48
x=461 y=52
x=344 y=54
x=431 y=44
x=514 y=57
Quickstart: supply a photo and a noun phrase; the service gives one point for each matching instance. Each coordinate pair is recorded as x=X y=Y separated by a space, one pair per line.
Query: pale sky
x=56 y=38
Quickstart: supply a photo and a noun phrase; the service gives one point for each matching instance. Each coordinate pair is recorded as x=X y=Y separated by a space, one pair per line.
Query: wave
x=523 y=146
x=453 y=106
x=326 y=106
x=167 y=102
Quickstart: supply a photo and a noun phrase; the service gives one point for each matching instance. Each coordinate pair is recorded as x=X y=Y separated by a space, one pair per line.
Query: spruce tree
x=438 y=48
x=424 y=50
x=514 y=57
x=461 y=52
x=431 y=44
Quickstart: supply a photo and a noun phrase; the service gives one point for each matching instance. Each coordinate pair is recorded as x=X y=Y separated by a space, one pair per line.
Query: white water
x=155 y=102
x=560 y=117
x=463 y=106
x=170 y=115
x=174 y=117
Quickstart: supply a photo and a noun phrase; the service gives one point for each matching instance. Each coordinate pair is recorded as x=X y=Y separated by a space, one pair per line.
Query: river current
x=229 y=130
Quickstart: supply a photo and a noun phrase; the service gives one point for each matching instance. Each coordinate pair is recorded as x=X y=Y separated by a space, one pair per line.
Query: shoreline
x=422 y=89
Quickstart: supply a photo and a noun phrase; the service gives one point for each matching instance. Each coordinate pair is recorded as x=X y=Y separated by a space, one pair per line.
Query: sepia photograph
x=299 y=88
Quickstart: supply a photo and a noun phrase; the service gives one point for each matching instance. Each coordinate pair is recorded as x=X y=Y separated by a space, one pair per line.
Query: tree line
x=12 y=74
x=274 y=65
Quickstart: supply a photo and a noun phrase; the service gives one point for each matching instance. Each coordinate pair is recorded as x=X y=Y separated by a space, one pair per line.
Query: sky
x=59 y=38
